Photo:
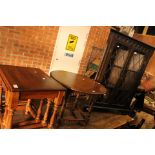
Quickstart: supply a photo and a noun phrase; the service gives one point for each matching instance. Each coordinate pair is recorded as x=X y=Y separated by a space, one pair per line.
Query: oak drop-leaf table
x=80 y=84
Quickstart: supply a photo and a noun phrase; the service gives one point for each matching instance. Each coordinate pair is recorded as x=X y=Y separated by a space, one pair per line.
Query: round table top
x=77 y=82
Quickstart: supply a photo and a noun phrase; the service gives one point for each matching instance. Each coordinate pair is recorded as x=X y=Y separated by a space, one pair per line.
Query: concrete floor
x=98 y=120
x=106 y=120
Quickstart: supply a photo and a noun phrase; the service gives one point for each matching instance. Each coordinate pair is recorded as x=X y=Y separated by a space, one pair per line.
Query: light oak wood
x=56 y=104
x=31 y=124
x=11 y=105
x=39 y=111
x=25 y=83
x=0 y=103
x=27 y=106
x=0 y=93
x=46 y=112
x=145 y=30
x=29 y=110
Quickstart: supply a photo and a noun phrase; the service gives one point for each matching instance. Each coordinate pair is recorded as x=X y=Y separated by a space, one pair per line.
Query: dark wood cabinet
x=121 y=70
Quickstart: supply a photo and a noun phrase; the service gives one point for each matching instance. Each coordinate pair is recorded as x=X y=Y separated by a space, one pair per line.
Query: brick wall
x=150 y=40
x=33 y=46
x=30 y=46
x=98 y=36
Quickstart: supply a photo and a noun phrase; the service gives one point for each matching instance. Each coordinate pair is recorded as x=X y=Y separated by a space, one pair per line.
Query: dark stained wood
x=46 y=112
x=27 y=79
x=121 y=70
x=78 y=82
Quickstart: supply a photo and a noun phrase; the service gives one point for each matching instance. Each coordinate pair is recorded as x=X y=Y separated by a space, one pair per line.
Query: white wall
x=62 y=62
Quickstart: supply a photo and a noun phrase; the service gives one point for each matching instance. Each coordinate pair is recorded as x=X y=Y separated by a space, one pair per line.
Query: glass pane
x=118 y=59
x=114 y=75
x=136 y=62
x=129 y=82
x=121 y=55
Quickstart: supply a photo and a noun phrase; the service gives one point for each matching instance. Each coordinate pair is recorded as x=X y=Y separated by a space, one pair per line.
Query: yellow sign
x=71 y=43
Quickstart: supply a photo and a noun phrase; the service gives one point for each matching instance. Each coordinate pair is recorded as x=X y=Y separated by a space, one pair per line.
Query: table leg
x=9 y=119
x=11 y=104
x=91 y=102
x=0 y=95
x=46 y=112
x=0 y=103
x=60 y=116
x=29 y=110
x=0 y=120
x=3 y=122
x=27 y=106
x=39 y=111
x=56 y=104
x=3 y=125
x=75 y=102
x=64 y=103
